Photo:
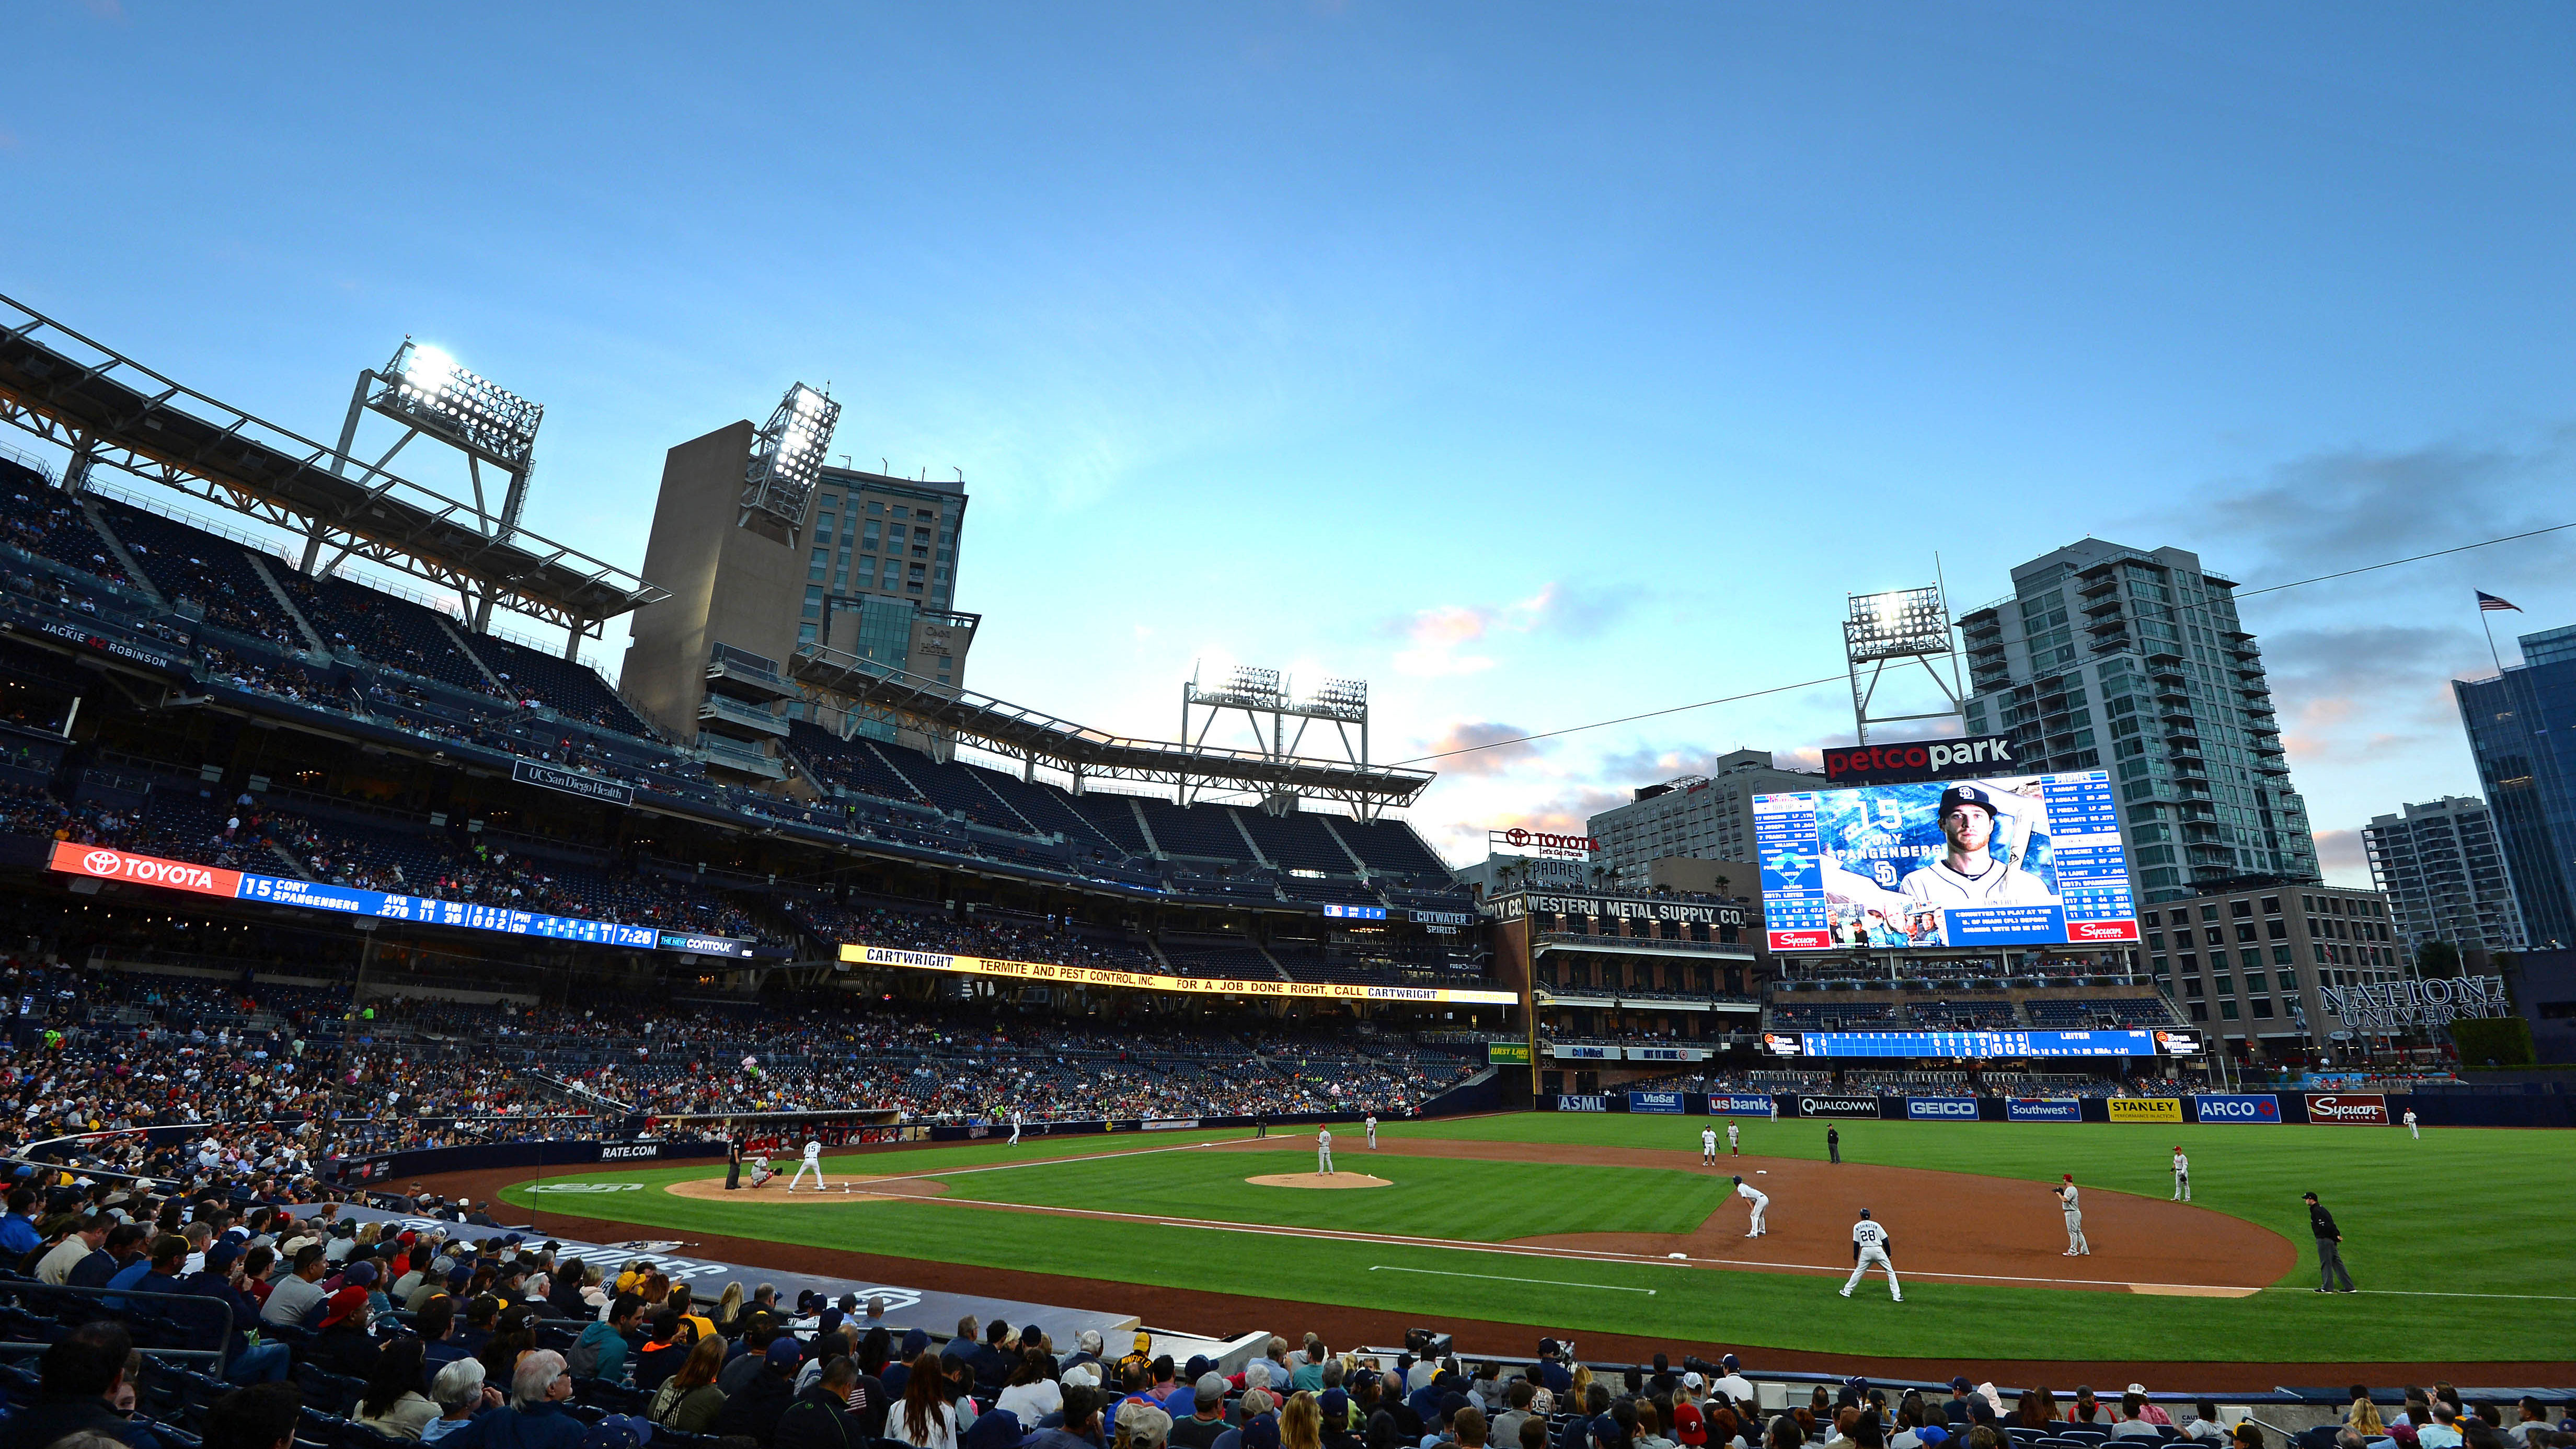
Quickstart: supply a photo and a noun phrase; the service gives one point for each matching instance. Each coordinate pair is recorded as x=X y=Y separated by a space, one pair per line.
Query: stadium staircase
x=303 y=625
x=116 y=547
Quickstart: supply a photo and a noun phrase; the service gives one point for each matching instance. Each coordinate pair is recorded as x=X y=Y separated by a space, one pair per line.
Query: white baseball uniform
x=1015 y=1127
x=1997 y=885
x=813 y=1163
x=761 y=1172
x=1745 y=1190
x=2411 y=1129
x=1324 y=1153
x=1708 y=1147
x=1730 y=1140
x=2076 y=1247
x=2182 y=1177
x=1372 y=1129
x=1869 y=1245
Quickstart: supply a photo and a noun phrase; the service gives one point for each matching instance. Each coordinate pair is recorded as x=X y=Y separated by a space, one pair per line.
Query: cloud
x=1441 y=635
x=2353 y=693
x=2340 y=857
x=1492 y=756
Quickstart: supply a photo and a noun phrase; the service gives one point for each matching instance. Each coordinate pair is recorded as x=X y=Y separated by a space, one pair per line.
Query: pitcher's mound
x=1317 y=1179
x=863 y=1189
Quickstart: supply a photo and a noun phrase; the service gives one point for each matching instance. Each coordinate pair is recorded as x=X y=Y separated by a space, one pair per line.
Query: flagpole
x=2483 y=611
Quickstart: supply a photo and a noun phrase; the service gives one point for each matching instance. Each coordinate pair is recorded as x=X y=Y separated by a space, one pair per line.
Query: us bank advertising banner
x=2028 y=860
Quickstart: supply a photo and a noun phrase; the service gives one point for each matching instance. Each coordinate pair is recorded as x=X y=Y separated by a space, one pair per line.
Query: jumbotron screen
x=2027 y=860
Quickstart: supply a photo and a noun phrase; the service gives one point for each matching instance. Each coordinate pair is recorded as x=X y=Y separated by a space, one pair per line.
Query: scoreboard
x=1967 y=1044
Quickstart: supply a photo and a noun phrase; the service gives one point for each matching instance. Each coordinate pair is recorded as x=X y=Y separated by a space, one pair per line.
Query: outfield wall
x=2254 y=1109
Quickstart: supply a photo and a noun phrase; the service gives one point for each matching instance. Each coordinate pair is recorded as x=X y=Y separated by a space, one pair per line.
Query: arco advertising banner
x=2247 y=1107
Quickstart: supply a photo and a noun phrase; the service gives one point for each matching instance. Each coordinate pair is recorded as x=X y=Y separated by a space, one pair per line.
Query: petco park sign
x=1544 y=845
x=1920 y=760
x=2397 y=1005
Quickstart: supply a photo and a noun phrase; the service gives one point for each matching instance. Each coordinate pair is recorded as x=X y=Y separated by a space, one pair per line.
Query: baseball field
x=1608 y=1224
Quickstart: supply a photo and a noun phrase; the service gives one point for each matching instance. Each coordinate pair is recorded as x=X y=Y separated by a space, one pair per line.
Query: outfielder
x=1015 y=1128
x=1708 y=1148
x=1732 y=1149
x=1870 y=1243
x=2182 y=1177
x=1324 y=1152
x=1372 y=1130
x=813 y=1163
x=1747 y=1191
x=2076 y=1247
x=2411 y=1129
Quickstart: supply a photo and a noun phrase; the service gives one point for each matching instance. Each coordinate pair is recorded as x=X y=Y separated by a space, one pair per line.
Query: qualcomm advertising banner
x=1941 y=1109
x=1837 y=1106
x=2043 y=1109
x=1729 y=1104
x=1582 y=1104
x=101 y=863
x=2030 y=860
x=1669 y=1102
x=2237 y=1107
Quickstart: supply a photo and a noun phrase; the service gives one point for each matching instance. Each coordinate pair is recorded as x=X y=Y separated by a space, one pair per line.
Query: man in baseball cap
x=1968 y=872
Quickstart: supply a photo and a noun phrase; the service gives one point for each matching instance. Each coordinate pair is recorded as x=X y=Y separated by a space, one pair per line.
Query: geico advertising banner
x=1823 y=1106
x=1941 y=1109
x=1670 y=1102
x=2237 y=1107
x=2352 y=1109
x=2145 y=1109
x=1053 y=974
x=1730 y=1104
x=2043 y=1109
x=1582 y=1104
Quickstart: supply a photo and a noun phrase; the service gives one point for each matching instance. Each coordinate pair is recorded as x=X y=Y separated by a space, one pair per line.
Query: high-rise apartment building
x=2443 y=872
x=1702 y=817
x=2133 y=661
x=2522 y=729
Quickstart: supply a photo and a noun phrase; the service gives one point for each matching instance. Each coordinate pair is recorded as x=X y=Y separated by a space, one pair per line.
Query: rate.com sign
x=2238 y=1107
x=101 y=863
x=2354 y=1109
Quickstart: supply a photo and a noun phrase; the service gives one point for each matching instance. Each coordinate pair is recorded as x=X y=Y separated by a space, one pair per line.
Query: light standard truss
x=1901 y=627
x=1264 y=694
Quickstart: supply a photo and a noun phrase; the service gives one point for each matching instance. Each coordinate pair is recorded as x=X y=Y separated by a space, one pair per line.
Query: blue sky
x=1538 y=364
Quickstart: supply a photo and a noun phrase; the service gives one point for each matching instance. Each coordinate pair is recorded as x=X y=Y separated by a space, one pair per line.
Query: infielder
x=1708 y=1148
x=2182 y=1177
x=1749 y=1193
x=1967 y=874
x=1372 y=1130
x=2076 y=1247
x=2411 y=1129
x=761 y=1172
x=1870 y=1243
x=1732 y=1149
x=813 y=1163
x=1324 y=1152
x=1015 y=1128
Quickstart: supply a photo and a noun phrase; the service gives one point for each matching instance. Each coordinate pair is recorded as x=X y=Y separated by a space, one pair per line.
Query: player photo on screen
x=1950 y=863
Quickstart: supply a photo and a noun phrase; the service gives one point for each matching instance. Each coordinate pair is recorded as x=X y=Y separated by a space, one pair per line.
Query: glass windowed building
x=2522 y=729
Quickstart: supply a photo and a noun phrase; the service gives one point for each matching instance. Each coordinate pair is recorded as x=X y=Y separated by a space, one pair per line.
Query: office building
x=2519 y=726
x=1703 y=817
x=2442 y=870
x=2133 y=661
x=2247 y=963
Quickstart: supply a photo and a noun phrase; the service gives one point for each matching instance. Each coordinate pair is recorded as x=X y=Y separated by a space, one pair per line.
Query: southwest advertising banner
x=2044 y=1109
x=1048 y=971
x=2349 y=1109
x=2145 y=1109
x=2026 y=860
x=1836 y=1106
x=1726 y=1104
x=2237 y=1107
x=101 y=863
x=1665 y=1102
x=1941 y=1109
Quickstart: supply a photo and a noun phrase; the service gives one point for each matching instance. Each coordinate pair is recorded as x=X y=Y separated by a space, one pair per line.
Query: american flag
x=2489 y=603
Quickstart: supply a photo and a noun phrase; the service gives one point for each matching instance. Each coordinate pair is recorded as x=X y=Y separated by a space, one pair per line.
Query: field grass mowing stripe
x=1499 y=1278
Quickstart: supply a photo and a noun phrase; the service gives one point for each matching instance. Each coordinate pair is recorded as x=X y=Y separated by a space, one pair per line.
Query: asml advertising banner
x=2237 y=1107
x=1726 y=1104
x=1582 y=1104
x=1655 y=1102
x=1941 y=1109
x=2043 y=1109
x=2027 y=860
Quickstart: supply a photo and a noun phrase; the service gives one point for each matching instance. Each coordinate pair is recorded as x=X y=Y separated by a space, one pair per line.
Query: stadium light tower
x=1265 y=694
x=428 y=393
x=1894 y=628
x=787 y=461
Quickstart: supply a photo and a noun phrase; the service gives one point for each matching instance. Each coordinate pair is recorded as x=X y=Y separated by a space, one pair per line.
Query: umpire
x=2329 y=1248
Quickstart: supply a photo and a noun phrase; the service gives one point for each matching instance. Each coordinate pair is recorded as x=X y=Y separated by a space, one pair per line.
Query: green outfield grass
x=2466 y=1224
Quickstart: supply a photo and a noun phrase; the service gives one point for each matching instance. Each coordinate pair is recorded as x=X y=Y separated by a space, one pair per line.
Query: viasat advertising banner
x=2044 y=1109
x=2026 y=860
x=2237 y=1107
x=1048 y=971
x=1941 y=1109
x=1738 y=1104
x=2348 y=1109
x=1666 y=1102
x=2145 y=1109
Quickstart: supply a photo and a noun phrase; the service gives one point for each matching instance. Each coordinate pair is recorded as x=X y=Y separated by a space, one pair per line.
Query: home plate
x=1684 y=1256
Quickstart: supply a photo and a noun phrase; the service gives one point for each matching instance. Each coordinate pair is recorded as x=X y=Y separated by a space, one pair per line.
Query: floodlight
x=1343 y=697
x=787 y=457
x=1896 y=625
x=425 y=388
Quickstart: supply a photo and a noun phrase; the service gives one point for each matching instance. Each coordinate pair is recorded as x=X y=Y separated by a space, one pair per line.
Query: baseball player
x=1967 y=874
x=1372 y=1131
x=1015 y=1128
x=2182 y=1176
x=1870 y=1244
x=761 y=1171
x=1733 y=1149
x=2076 y=1247
x=1749 y=1193
x=1708 y=1148
x=813 y=1163
x=2411 y=1129
x=1324 y=1152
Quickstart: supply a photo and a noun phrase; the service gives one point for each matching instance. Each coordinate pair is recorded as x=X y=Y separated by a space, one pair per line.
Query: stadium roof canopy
x=1035 y=739
x=108 y=409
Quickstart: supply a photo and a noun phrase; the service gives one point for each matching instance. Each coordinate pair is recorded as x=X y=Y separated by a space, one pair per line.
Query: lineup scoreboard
x=1982 y=1045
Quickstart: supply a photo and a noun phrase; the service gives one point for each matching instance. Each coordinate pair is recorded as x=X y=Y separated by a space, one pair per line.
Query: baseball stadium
x=393 y=984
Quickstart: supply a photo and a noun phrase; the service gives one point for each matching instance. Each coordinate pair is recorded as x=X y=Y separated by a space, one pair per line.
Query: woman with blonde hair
x=1301 y=1423
x=1582 y=1382
x=729 y=1310
x=2364 y=1419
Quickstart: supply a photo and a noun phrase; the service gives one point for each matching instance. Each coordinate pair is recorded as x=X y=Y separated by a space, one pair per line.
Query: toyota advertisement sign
x=2237 y=1107
x=2349 y=1109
